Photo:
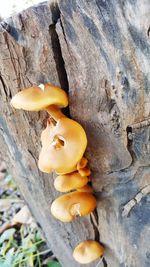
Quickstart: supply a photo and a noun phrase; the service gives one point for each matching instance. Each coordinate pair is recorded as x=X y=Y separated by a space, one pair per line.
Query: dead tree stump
x=99 y=52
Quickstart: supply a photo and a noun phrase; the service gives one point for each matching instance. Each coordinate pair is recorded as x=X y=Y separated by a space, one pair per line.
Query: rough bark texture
x=99 y=52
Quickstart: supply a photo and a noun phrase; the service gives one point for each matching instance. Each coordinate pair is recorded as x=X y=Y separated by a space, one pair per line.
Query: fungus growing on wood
x=67 y=207
x=88 y=251
x=63 y=145
x=70 y=181
x=43 y=97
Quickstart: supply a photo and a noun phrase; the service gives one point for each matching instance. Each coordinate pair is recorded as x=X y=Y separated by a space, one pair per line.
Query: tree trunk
x=99 y=52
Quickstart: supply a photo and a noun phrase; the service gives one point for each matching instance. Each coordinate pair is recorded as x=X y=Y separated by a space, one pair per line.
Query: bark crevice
x=56 y=47
x=57 y=52
x=4 y=86
x=95 y=226
x=129 y=145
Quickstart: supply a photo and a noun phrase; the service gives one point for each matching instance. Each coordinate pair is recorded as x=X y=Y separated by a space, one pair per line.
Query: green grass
x=22 y=245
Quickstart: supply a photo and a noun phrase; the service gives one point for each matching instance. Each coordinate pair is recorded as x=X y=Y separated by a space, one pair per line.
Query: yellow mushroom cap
x=70 y=181
x=63 y=145
x=88 y=251
x=67 y=207
x=37 y=98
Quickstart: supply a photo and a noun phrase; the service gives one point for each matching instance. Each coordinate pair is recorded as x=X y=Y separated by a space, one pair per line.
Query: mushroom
x=82 y=167
x=86 y=188
x=85 y=171
x=43 y=97
x=63 y=145
x=88 y=251
x=70 y=181
x=67 y=207
x=82 y=163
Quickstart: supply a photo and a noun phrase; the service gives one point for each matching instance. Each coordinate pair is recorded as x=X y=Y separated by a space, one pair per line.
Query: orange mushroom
x=70 y=181
x=66 y=207
x=82 y=163
x=85 y=171
x=63 y=145
x=88 y=251
x=43 y=97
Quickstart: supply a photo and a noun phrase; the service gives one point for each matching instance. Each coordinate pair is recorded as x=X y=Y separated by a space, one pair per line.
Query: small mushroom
x=82 y=163
x=85 y=171
x=70 y=181
x=88 y=251
x=43 y=97
x=86 y=188
x=63 y=145
x=67 y=207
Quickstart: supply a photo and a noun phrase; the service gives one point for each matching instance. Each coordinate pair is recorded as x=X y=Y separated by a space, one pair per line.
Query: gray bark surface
x=99 y=52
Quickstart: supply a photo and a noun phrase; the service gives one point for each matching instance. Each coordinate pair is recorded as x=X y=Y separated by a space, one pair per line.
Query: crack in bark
x=11 y=57
x=16 y=68
x=4 y=26
x=129 y=145
x=105 y=262
x=29 y=81
x=62 y=74
x=4 y=86
x=22 y=22
x=60 y=64
x=95 y=222
x=58 y=57
x=35 y=159
x=57 y=51
x=93 y=219
x=63 y=31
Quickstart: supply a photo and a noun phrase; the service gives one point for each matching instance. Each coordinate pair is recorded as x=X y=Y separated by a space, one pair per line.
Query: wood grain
x=99 y=52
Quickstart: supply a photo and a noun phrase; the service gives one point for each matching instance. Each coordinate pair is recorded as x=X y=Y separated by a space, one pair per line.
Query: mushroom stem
x=55 y=112
x=75 y=210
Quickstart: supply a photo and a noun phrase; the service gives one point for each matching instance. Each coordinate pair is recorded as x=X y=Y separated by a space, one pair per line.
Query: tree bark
x=99 y=52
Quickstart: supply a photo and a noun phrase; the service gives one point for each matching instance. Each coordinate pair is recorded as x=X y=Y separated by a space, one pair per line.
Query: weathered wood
x=99 y=52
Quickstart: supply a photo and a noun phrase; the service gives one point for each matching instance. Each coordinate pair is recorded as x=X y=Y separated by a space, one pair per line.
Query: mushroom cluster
x=64 y=142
